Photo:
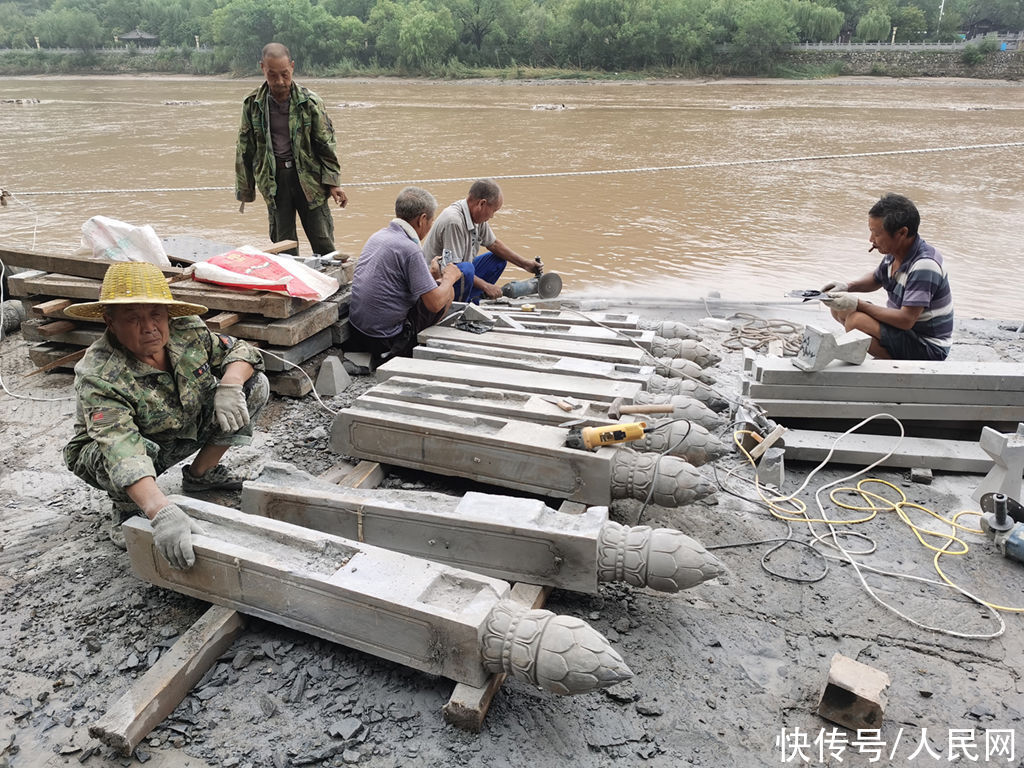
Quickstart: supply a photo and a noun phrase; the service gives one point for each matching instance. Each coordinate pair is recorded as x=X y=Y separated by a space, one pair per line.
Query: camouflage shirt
x=122 y=400
x=313 y=147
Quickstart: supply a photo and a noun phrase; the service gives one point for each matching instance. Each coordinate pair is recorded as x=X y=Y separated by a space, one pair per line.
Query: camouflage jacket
x=122 y=400
x=313 y=147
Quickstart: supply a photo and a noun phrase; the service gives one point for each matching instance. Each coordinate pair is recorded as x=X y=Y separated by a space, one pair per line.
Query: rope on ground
x=563 y=174
x=757 y=334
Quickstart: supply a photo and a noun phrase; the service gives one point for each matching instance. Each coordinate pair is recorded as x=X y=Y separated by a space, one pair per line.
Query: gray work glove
x=230 y=408
x=172 y=534
x=835 y=285
x=841 y=302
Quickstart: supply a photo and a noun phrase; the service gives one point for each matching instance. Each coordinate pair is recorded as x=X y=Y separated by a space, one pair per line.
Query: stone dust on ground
x=727 y=674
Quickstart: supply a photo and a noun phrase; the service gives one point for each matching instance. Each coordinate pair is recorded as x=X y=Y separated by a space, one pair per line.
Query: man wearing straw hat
x=154 y=389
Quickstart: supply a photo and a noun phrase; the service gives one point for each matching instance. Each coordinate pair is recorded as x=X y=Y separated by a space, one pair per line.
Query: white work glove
x=835 y=285
x=229 y=407
x=841 y=302
x=172 y=534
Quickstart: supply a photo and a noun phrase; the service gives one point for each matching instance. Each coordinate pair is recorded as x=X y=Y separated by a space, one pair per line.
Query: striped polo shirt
x=921 y=281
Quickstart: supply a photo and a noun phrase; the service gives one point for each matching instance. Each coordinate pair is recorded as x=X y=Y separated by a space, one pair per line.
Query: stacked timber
x=288 y=330
x=943 y=407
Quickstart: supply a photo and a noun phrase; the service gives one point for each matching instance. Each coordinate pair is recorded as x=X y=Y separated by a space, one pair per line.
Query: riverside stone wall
x=998 y=65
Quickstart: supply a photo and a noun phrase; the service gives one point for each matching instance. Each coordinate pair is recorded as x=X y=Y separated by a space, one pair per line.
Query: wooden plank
x=279 y=246
x=81 y=336
x=599 y=390
x=49 y=330
x=79 y=266
x=49 y=356
x=68 y=361
x=609 y=353
x=291 y=330
x=862 y=449
x=468 y=705
x=251 y=302
x=164 y=685
x=881 y=394
x=222 y=320
x=51 y=308
x=999 y=376
x=819 y=409
x=367 y=474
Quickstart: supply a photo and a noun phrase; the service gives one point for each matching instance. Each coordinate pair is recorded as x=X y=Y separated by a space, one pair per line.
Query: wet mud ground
x=726 y=674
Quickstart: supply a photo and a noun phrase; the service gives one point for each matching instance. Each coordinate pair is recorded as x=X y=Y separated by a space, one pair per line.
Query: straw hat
x=134 y=282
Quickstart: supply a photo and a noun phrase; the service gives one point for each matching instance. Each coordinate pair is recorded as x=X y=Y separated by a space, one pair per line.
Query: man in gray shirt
x=461 y=230
x=394 y=294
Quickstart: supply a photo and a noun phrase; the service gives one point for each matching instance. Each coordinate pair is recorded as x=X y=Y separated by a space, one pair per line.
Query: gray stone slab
x=592 y=334
x=506 y=537
x=542 y=344
x=691 y=442
x=419 y=613
x=564 y=317
x=298 y=353
x=509 y=454
x=896 y=373
x=544 y=383
x=925 y=395
x=863 y=449
x=825 y=409
x=478 y=354
x=332 y=379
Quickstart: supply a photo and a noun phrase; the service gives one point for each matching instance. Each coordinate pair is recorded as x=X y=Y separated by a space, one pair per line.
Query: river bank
x=795 y=64
x=722 y=671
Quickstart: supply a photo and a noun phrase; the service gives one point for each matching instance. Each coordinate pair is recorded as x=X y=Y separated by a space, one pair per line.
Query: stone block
x=854 y=694
x=922 y=475
x=333 y=379
x=771 y=470
x=475 y=314
x=820 y=347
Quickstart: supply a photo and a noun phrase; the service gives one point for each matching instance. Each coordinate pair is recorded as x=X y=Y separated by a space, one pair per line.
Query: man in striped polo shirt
x=917 y=321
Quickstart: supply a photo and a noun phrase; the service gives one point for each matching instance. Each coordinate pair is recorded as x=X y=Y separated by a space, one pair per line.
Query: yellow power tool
x=590 y=438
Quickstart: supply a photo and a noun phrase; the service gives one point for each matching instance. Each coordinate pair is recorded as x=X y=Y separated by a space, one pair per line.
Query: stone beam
x=689 y=441
x=426 y=615
x=505 y=537
x=541 y=382
x=510 y=454
x=543 y=344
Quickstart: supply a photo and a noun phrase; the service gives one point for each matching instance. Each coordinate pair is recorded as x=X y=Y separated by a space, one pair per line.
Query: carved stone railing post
x=688 y=349
x=686 y=407
x=659 y=558
x=560 y=654
x=691 y=442
x=659 y=384
x=678 y=368
x=675 y=482
x=670 y=329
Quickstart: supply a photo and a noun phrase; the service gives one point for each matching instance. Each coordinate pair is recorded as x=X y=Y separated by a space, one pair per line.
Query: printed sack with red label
x=247 y=267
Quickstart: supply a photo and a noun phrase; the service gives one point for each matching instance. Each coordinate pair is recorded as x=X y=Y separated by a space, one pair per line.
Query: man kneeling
x=154 y=389
x=394 y=294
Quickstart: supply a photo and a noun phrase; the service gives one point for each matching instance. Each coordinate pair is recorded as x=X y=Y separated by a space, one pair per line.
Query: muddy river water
x=749 y=188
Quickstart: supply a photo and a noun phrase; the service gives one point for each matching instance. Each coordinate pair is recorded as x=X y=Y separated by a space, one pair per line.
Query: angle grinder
x=591 y=438
x=547 y=286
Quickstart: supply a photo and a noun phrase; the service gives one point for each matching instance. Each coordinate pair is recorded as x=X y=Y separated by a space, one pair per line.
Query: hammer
x=616 y=409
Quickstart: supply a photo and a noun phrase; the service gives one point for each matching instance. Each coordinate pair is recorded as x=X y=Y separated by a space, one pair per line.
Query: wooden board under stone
x=251 y=302
x=287 y=331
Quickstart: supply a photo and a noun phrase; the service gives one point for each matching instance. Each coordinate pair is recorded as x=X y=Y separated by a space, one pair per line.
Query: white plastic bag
x=107 y=238
x=247 y=267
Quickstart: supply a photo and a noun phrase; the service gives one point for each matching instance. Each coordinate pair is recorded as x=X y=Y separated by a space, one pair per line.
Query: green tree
x=383 y=27
x=817 y=23
x=764 y=28
x=342 y=8
x=874 y=27
x=910 y=23
x=426 y=37
x=14 y=27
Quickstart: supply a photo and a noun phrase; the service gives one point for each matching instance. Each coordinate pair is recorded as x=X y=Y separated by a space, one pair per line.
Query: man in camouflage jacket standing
x=154 y=389
x=286 y=148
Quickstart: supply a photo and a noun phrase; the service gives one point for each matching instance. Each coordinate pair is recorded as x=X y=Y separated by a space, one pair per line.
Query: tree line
x=424 y=36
